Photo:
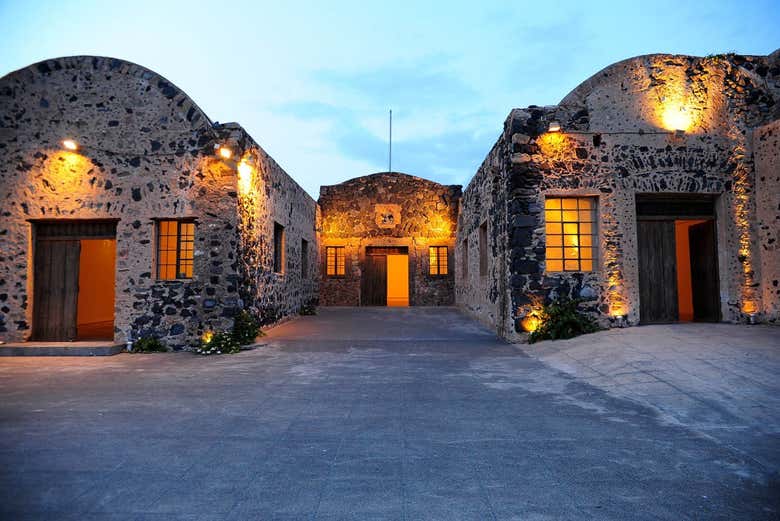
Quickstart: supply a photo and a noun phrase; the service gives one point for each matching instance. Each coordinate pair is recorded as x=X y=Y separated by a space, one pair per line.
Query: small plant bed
x=561 y=319
x=220 y=343
x=246 y=329
x=149 y=344
x=308 y=309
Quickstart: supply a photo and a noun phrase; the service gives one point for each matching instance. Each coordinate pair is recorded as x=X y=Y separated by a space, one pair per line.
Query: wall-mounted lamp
x=69 y=144
x=223 y=151
x=554 y=126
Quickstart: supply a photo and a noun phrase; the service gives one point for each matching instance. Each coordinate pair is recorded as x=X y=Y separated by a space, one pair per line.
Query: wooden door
x=704 y=272
x=56 y=289
x=657 y=271
x=374 y=281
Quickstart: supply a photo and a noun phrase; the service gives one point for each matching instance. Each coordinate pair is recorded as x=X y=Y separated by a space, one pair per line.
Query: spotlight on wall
x=554 y=126
x=69 y=144
x=224 y=152
x=676 y=118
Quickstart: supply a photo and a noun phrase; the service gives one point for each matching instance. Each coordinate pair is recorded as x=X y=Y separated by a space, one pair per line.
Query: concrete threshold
x=86 y=348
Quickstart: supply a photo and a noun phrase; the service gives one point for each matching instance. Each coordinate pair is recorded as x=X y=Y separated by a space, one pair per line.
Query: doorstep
x=90 y=348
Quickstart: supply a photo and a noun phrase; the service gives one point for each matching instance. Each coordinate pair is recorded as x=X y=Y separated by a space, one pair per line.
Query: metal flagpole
x=390 y=149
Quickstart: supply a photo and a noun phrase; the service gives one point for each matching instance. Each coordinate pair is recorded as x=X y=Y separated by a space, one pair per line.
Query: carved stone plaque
x=387 y=215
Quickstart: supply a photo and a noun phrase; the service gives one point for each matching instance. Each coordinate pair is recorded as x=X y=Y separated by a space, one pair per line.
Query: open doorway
x=678 y=260
x=385 y=278
x=95 y=314
x=74 y=280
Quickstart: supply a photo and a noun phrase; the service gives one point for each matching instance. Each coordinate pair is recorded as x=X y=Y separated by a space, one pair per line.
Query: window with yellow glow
x=334 y=261
x=175 y=249
x=570 y=229
x=438 y=260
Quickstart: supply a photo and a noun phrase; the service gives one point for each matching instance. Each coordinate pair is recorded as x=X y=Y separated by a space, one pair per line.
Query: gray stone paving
x=722 y=380
x=356 y=414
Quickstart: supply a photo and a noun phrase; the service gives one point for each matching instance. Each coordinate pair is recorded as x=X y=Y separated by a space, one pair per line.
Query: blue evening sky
x=313 y=81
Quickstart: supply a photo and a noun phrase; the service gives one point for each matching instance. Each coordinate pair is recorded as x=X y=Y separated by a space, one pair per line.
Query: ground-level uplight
x=69 y=144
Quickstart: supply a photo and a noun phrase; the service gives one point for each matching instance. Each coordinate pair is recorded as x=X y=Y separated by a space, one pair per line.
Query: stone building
x=387 y=239
x=126 y=212
x=651 y=192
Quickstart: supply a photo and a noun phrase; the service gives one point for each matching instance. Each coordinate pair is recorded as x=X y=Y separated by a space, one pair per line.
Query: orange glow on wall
x=440 y=226
x=676 y=116
x=742 y=217
x=245 y=176
x=397 y=280
x=750 y=307
x=617 y=308
x=207 y=336
x=553 y=143
x=68 y=170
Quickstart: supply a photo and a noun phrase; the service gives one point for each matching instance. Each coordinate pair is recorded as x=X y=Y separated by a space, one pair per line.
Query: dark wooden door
x=704 y=272
x=657 y=272
x=374 y=281
x=55 y=289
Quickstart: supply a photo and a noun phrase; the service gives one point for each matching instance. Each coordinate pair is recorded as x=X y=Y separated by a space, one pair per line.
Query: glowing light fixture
x=207 y=337
x=225 y=152
x=69 y=144
x=531 y=323
x=554 y=126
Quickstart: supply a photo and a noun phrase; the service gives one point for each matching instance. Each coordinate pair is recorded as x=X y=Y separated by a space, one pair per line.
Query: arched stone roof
x=625 y=95
x=151 y=81
x=388 y=176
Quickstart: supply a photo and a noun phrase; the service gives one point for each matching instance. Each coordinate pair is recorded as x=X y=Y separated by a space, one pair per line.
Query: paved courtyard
x=399 y=414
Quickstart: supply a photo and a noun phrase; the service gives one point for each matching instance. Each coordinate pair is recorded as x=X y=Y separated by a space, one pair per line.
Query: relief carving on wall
x=387 y=215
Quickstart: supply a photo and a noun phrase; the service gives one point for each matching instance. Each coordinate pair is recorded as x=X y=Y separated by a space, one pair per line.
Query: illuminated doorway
x=95 y=314
x=678 y=258
x=385 y=277
x=74 y=280
x=398 y=280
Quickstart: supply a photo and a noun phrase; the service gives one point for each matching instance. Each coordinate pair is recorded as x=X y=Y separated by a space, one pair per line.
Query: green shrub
x=220 y=343
x=246 y=328
x=308 y=309
x=561 y=319
x=149 y=344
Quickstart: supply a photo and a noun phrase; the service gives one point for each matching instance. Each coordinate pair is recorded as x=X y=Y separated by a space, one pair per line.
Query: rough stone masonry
x=147 y=152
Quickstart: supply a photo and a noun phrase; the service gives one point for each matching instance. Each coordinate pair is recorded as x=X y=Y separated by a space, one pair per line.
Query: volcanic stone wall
x=766 y=143
x=483 y=294
x=267 y=197
x=146 y=153
x=388 y=209
x=616 y=143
